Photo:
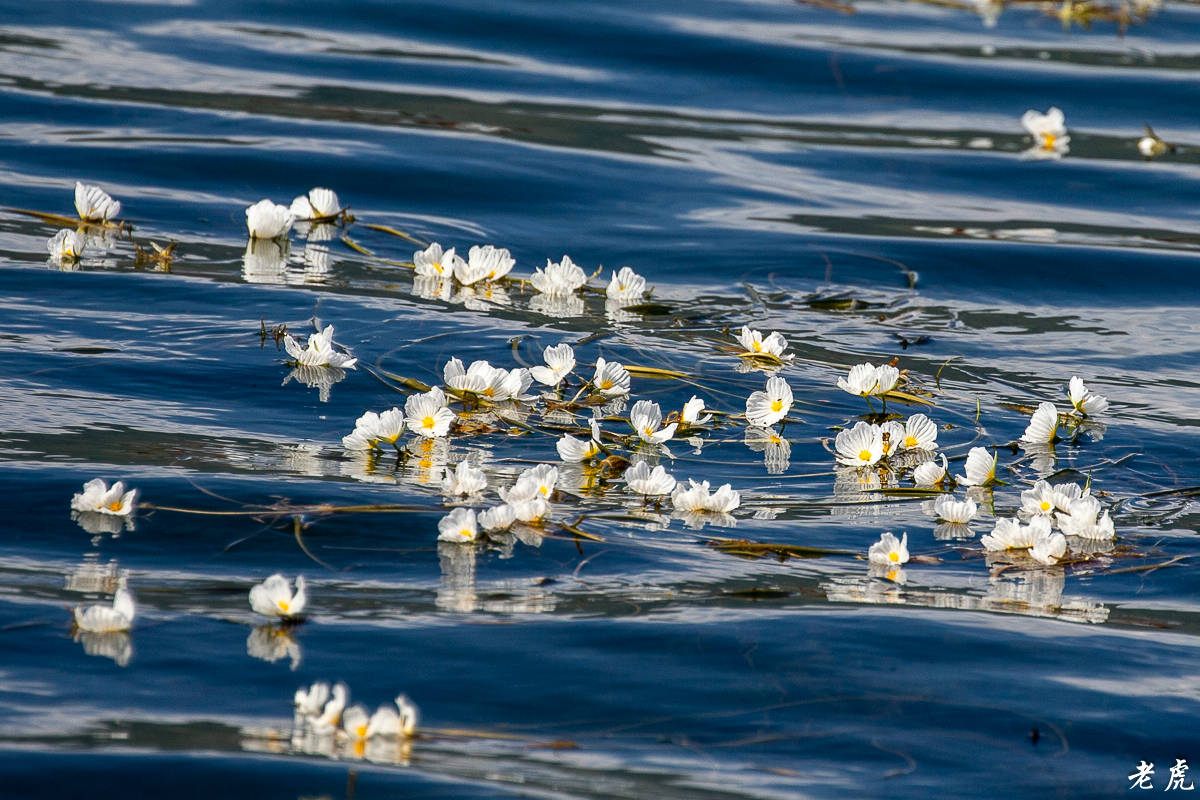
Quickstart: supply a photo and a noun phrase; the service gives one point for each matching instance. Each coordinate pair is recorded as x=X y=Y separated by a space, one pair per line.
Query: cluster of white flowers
x=267 y=219
x=868 y=444
x=527 y=501
x=322 y=710
x=868 y=380
x=1067 y=506
x=483 y=264
x=755 y=345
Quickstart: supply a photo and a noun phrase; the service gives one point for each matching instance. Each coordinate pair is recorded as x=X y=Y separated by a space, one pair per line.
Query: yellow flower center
x=648 y=431
x=437 y=265
x=115 y=505
x=757 y=347
x=891 y=576
x=1045 y=506
x=1048 y=140
x=604 y=385
x=489 y=392
x=284 y=605
x=465 y=533
x=864 y=455
x=544 y=491
x=428 y=422
x=893 y=556
x=910 y=441
x=361 y=731
x=777 y=406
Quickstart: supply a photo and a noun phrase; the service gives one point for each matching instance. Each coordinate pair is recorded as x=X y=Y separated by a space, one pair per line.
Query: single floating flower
x=1151 y=146
x=930 y=473
x=433 y=263
x=1038 y=501
x=753 y=343
x=94 y=204
x=950 y=510
x=464 y=480
x=626 y=287
x=765 y=408
x=693 y=413
x=497 y=518
x=645 y=417
x=66 y=246
x=868 y=380
x=409 y=715
x=860 y=446
x=573 y=450
x=1081 y=520
x=487 y=263
x=318 y=205
x=1043 y=425
x=274 y=597
x=534 y=482
x=330 y=715
x=458 y=527
x=98 y=497
x=611 y=379
x=533 y=510
x=427 y=415
x=889 y=550
x=1085 y=402
x=1010 y=534
x=101 y=618
x=267 y=220
x=561 y=278
x=695 y=497
x=649 y=482
x=482 y=379
x=310 y=702
x=560 y=360
x=920 y=433
x=980 y=468
x=1049 y=132
x=319 y=352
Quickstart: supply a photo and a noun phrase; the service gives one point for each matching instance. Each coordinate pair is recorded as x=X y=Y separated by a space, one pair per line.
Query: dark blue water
x=853 y=181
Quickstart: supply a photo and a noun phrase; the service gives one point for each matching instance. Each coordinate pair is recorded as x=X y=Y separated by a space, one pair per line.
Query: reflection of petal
x=316 y=263
x=456 y=592
x=615 y=311
x=894 y=574
x=1094 y=429
x=370 y=467
x=93 y=577
x=1090 y=547
x=777 y=451
x=482 y=296
x=528 y=535
x=428 y=465
x=117 y=645
x=319 y=378
x=557 y=305
x=952 y=530
x=96 y=523
x=432 y=287
x=264 y=261
x=317 y=232
x=270 y=644
x=384 y=750
x=698 y=519
x=1041 y=458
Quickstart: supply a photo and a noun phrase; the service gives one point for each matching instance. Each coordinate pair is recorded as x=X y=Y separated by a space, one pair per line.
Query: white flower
x=650 y=482
x=267 y=220
x=310 y=702
x=695 y=497
x=889 y=550
x=920 y=433
x=558 y=279
x=867 y=379
x=101 y=618
x=331 y=714
x=432 y=262
x=626 y=287
x=274 y=597
x=1049 y=549
x=1010 y=534
x=355 y=722
x=611 y=378
x=1081 y=520
x=860 y=446
x=409 y=716
x=980 y=468
x=891 y=434
x=427 y=414
x=1038 y=501
x=464 y=480
x=1043 y=425
x=318 y=204
x=94 y=204
x=487 y=263
x=692 y=411
x=573 y=450
x=1084 y=401
x=384 y=723
x=645 y=417
x=66 y=246
x=319 y=352
x=753 y=342
x=534 y=482
x=930 y=473
x=951 y=510
x=458 y=526
x=97 y=496
x=560 y=360
x=531 y=509
x=497 y=518
x=765 y=408
x=1049 y=132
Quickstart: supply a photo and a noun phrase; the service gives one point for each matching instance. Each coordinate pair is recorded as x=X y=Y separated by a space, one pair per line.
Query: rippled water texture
x=854 y=181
